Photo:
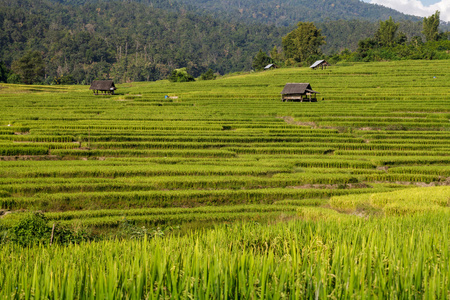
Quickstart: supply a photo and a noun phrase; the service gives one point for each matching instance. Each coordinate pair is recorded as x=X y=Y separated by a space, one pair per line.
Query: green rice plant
x=405 y=209
x=181 y=198
x=350 y=202
x=29 y=187
x=144 y=153
x=405 y=160
x=437 y=170
x=309 y=177
x=343 y=256
x=43 y=138
x=113 y=169
x=70 y=215
x=384 y=153
x=393 y=177
x=20 y=150
x=320 y=213
x=302 y=202
x=175 y=219
x=288 y=151
x=418 y=196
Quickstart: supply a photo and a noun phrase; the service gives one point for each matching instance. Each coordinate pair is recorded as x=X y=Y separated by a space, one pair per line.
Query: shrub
x=31 y=230
x=181 y=75
x=208 y=75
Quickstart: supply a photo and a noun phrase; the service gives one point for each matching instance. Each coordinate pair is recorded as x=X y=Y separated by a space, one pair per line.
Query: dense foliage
x=181 y=75
x=79 y=41
x=389 y=43
x=30 y=67
x=341 y=34
x=145 y=40
x=288 y=12
x=303 y=42
x=430 y=27
x=261 y=60
x=126 y=41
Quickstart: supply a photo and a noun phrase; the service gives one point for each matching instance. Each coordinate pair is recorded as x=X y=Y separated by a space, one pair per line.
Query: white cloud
x=415 y=7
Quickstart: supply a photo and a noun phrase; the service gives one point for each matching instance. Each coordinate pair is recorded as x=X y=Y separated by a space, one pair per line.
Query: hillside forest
x=75 y=42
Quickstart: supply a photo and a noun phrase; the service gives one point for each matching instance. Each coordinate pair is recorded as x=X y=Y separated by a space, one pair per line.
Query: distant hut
x=299 y=92
x=103 y=87
x=270 y=66
x=319 y=64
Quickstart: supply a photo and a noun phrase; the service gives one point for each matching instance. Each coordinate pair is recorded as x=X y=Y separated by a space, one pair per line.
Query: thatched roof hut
x=103 y=87
x=298 y=92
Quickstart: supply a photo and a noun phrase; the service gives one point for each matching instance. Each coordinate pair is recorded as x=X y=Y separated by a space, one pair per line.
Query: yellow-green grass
x=402 y=202
x=343 y=258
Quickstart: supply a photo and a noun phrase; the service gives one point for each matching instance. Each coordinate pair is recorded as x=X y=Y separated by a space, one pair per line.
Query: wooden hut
x=319 y=64
x=270 y=66
x=103 y=87
x=299 y=92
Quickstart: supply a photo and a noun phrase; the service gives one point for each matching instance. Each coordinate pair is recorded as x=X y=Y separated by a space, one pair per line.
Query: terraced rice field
x=345 y=198
x=225 y=149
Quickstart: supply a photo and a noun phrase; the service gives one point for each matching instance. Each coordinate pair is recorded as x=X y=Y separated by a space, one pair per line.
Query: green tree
x=180 y=75
x=416 y=41
x=3 y=73
x=30 y=67
x=386 y=33
x=303 y=42
x=208 y=75
x=430 y=27
x=64 y=79
x=275 y=55
x=261 y=60
x=401 y=38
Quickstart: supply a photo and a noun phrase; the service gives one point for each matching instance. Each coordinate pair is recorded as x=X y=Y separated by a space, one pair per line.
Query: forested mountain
x=134 y=40
x=126 y=41
x=341 y=34
x=277 y=12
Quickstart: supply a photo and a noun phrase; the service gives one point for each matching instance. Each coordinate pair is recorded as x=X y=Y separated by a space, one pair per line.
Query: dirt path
x=4 y=213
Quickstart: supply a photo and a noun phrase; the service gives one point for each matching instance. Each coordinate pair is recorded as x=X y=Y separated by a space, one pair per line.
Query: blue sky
x=422 y=8
x=429 y=2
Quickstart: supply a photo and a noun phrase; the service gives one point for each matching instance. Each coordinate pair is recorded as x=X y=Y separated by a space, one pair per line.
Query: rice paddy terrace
x=344 y=198
x=161 y=152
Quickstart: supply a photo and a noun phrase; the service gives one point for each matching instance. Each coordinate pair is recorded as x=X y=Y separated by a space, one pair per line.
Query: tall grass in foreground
x=395 y=258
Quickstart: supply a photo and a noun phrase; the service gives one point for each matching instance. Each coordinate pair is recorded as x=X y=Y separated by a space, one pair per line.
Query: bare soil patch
x=290 y=120
x=30 y=157
x=383 y=168
x=331 y=186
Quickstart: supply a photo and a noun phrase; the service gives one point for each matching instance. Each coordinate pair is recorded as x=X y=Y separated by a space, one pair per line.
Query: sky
x=422 y=8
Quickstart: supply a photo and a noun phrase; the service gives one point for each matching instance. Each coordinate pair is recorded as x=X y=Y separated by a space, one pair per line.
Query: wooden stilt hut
x=299 y=92
x=320 y=64
x=103 y=87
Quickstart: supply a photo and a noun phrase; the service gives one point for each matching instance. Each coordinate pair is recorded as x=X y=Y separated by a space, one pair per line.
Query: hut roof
x=270 y=66
x=103 y=85
x=318 y=63
x=297 y=88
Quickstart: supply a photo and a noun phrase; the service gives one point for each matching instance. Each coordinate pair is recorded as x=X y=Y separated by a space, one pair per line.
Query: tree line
x=121 y=41
x=302 y=46
x=53 y=42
